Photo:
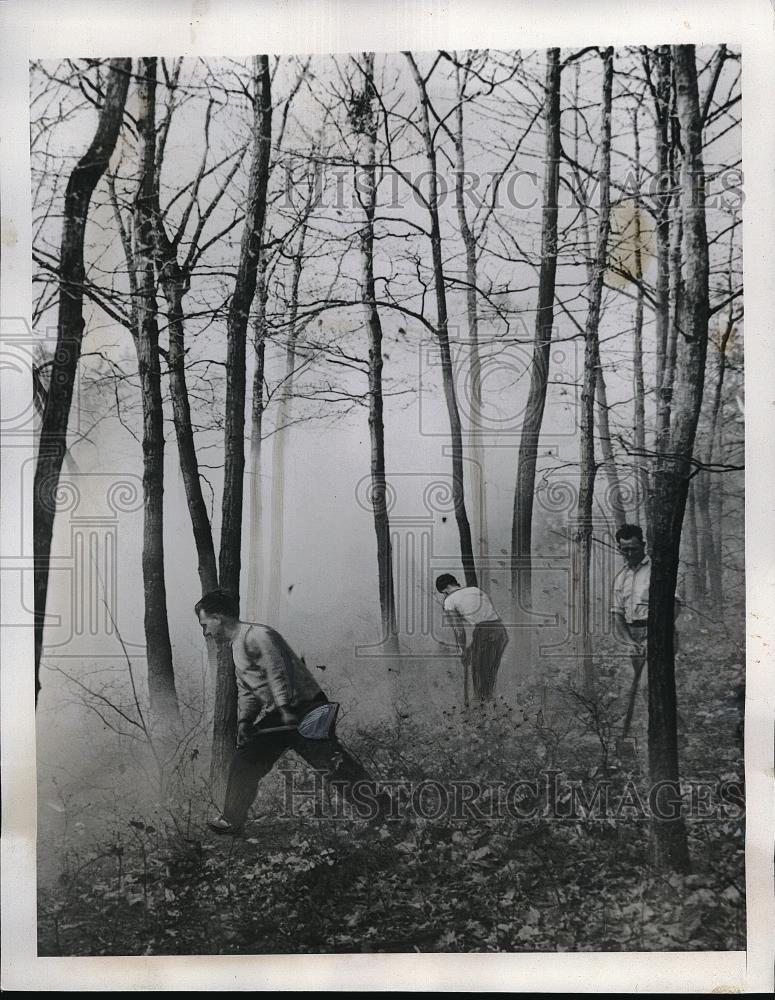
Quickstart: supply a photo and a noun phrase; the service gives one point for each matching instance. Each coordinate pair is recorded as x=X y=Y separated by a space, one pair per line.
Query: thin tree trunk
x=615 y=497
x=161 y=677
x=522 y=521
x=283 y=433
x=588 y=467
x=717 y=520
x=694 y=590
x=53 y=432
x=442 y=333
x=368 y=197
x=708 y=558
x=478 y=477
x=255 y=535
x=174 y=285
x=712 y=514
x=674 y=468
x=663 y=202
x=642 y=481
x=642 y=488
x=229 y=559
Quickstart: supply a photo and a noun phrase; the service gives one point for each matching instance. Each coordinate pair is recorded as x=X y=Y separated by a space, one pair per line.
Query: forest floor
x=542 y=865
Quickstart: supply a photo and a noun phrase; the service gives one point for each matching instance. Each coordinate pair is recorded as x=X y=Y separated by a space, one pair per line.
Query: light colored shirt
x=269 y=674
x=631 y=592
x=472 y=605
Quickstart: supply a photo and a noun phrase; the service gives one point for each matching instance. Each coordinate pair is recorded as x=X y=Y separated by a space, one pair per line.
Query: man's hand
x=244 y=732
x=637 y=649
x=289 y=718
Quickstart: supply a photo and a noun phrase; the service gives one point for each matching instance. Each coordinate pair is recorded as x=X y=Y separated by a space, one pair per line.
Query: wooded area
x=465 y=312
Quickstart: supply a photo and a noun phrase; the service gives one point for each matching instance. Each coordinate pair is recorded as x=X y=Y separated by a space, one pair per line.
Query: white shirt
x=472 y=604
x=631 y=592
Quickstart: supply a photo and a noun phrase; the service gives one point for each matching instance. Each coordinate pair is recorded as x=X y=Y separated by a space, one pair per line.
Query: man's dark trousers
x=257 y=757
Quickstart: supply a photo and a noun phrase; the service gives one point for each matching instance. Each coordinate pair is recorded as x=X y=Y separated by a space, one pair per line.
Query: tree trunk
x=368 y=197
x=442 y=333
x=694 y=590
x=642 y=488
x=674 y=468
x=229 y=559
x=174 y=285
x=53 y=432
x=583 y=534
x=255 y=534
x=522 y=521
x=161 y=677
x=282 y=435
x=615 y=498
x=478 y=476
x=712 y=509
x=663 y=202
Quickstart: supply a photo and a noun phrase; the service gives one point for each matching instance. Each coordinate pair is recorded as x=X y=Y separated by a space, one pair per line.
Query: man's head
x=218 y=613
x=446 y=583
x=630 y=539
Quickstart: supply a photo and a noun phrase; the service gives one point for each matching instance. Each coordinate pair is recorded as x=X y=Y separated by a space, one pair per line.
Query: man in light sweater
x=470 y=606
x=275 y=691
x=630 y=606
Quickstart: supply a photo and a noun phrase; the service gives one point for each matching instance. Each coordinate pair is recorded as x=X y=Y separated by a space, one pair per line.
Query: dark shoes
x=221 y=825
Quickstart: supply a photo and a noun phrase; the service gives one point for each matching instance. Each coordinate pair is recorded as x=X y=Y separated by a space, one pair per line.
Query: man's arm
x=263 y=651
x=622 y=629
x=248 y=702
x=248 y=707
x=453 y=620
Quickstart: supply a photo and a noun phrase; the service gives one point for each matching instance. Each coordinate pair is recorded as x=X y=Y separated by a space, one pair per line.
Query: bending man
x=274 y=692
x=470 y=606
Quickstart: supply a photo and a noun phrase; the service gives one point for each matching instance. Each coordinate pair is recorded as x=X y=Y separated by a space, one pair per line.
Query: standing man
x=470 y=606
x=630 y=608
x=631 y=591
x=275 y=691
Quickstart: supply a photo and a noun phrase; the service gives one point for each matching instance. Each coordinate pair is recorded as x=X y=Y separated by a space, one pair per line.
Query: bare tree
x=229 y=562
x=442 y=331
x=297 y=252
x=70 y=326
x=592 y=376
x=161 y=676
x=642 y=485
x=364 y=123
x=478 y=475
x=674 y=462
x=522 y=520
x=258 y=405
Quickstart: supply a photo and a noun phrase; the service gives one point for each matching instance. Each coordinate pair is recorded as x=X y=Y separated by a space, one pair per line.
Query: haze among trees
x=347 y=323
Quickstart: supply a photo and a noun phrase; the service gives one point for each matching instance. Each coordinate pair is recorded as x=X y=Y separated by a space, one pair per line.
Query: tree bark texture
x=674 y=464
